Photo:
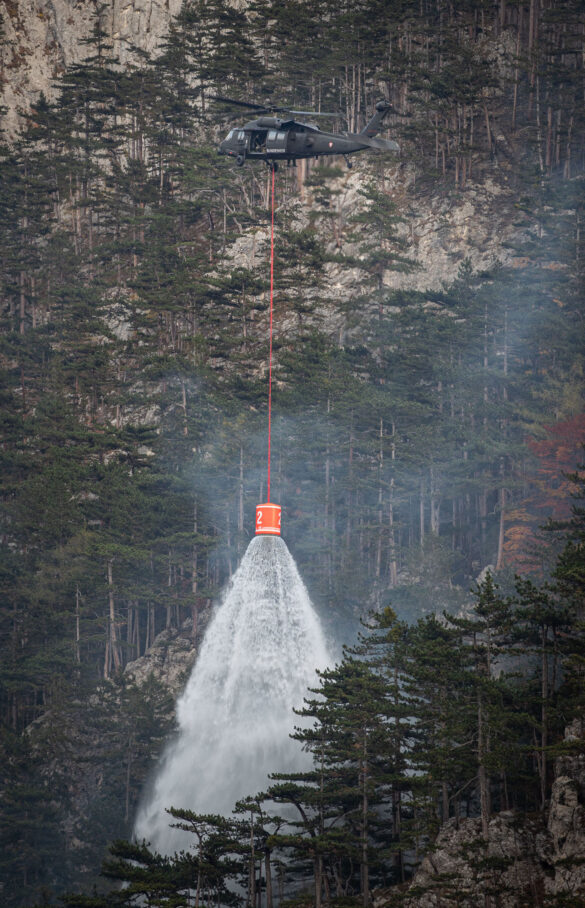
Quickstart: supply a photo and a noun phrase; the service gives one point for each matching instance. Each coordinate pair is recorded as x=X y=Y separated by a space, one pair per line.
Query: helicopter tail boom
x=380 y=144
x=373 y=127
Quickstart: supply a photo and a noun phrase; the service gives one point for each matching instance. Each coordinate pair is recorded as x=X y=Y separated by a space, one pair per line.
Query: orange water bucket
x=268 y=519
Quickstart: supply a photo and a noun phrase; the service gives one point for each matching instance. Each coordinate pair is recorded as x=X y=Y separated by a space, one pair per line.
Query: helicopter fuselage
x=273 y=139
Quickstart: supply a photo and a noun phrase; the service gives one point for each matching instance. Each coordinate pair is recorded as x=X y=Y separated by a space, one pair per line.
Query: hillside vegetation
x=418 y=436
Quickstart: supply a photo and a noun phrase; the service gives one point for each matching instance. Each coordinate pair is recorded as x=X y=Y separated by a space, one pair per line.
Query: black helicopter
x=272 y=139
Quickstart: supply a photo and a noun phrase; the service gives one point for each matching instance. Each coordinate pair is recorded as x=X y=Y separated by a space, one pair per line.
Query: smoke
x=258 y=657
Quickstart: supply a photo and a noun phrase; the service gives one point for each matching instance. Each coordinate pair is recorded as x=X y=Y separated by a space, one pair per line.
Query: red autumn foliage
x=549 y=493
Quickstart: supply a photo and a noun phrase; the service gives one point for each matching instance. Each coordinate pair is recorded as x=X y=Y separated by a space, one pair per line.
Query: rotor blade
x=270 y=108
x=249 y=104
x=309 y=113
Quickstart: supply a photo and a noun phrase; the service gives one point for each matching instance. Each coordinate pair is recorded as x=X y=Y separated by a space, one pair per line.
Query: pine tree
x=486 y=634
x=358 y=737
x=437 y=688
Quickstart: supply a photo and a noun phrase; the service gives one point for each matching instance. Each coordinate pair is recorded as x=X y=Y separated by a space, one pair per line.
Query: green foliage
x=133 y=351
x=413 y=723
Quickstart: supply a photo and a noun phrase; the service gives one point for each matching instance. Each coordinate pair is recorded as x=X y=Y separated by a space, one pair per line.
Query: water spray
x=235 y=716
x=268 y=514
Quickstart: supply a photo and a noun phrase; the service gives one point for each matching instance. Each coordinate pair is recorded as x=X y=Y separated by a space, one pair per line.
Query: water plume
x=258 y=657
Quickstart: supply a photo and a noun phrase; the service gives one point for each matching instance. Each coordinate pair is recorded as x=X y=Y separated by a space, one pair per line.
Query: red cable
x=270 y=351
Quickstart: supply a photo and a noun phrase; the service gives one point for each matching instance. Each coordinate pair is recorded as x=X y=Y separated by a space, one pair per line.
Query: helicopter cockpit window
x=230 y=134
x=272 y=135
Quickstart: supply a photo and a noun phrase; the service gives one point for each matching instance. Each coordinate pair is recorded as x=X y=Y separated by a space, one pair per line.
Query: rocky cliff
x=527 y=860
x=169 y=661
x=41 y=38
x=437 y=232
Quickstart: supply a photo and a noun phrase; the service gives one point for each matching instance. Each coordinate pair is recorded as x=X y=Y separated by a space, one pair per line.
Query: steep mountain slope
x=428 y=326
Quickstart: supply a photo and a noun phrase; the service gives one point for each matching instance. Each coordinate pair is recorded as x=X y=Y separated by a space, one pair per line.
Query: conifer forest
x=427 y=443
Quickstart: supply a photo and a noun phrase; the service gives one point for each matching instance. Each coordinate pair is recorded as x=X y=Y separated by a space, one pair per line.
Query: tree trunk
x=184 y=407
x=268 y=872
x=380 y=503
x=502 y=526
x=365 y=870
x=22 y=306
x=114 y=660
x=128 y=778
x=252 y=869
x=421 y=511
x=241 y=493
x=318 y=871
x=350 y=485
x=194 y=572
x=543 y=716
x=483 y=778
x=77 y=625
x=435 y=503
x=445 y=802
x=169 y=607
x=229 y=542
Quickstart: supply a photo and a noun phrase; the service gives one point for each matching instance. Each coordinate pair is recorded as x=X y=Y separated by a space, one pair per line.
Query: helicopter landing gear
x=348 y=162
x=273 y=165
x=240 y=159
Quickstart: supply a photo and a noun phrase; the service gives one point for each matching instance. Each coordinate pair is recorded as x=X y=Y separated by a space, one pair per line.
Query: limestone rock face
x=565 y=846
x=526 y=860
x=43 y=37
x=168 y=660
x=476 y=226
x=480 y=227
x=462 y=869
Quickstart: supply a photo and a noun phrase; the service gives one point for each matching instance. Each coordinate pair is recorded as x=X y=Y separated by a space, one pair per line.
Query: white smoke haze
x=258 y=658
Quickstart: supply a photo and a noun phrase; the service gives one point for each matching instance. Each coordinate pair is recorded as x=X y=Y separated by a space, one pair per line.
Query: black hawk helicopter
x=272 y=139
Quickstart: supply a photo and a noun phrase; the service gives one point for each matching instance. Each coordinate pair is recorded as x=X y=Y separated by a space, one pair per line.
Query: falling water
x=258 y=657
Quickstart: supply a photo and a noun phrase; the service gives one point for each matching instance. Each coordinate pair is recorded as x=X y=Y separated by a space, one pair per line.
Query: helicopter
x=273 y=139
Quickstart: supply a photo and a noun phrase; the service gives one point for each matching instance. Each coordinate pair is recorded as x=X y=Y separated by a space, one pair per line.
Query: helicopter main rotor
x=272 y=108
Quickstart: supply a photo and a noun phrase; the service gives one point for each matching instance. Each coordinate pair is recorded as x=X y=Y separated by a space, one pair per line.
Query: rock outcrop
x=41 y=38
x=462 y=868
x=562 y=851
x=437 y=233
x=526 y=861
x=168 y=661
